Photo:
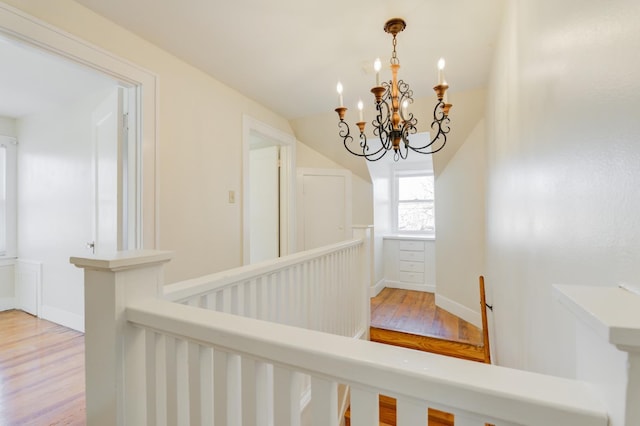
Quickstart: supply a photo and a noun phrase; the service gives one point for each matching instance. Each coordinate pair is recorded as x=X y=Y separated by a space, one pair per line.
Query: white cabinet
x=410 y=263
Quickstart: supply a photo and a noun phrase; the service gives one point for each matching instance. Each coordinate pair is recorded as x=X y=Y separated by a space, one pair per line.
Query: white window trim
x=10 y=144
x=395 y=201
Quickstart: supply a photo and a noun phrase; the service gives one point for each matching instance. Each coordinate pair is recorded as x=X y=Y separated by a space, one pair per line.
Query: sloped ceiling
x=289 y=54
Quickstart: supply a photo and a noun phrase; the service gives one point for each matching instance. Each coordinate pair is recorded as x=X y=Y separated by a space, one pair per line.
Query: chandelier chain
x=394 y=56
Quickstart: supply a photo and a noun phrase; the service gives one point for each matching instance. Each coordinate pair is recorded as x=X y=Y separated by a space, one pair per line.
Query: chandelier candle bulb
x=339 y=89
x=441 y=71
x=377 y=65
x=360 y=106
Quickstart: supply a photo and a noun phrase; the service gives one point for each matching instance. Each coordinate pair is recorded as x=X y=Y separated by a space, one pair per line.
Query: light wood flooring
x=415 y=312
x=41 y=372
x=412 y=320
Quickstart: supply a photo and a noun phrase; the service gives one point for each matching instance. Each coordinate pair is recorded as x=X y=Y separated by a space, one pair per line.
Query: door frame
x=287 y=144
x=140 y=83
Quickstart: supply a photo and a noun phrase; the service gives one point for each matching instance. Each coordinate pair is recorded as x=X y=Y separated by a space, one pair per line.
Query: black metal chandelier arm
x=348 y=140
x=440 y=136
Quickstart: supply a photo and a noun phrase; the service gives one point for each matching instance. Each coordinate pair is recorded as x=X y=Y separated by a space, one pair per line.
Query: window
x=414 y=199
x=7 y=197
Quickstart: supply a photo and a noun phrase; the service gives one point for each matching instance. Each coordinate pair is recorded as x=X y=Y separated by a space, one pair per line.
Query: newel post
x=111 y=283
x=366 y=233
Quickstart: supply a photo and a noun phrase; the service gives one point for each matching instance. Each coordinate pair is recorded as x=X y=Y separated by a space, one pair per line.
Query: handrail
x=484 y=391
x=201 y=285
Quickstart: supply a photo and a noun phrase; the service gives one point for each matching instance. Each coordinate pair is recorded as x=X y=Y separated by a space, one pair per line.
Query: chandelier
x=393 y=122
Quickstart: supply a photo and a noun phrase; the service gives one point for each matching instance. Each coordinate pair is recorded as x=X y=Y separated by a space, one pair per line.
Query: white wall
x=200 y=143
x=460 y=224
x=563 y=170
x=55 y=202
x=7 y=293
x=7 y=126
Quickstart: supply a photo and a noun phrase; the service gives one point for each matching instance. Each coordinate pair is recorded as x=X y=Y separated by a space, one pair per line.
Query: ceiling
x=289 y=54
x=32 y=80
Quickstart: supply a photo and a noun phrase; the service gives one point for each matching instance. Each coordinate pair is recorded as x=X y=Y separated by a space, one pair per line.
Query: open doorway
x=54 y=168
x=268 y=191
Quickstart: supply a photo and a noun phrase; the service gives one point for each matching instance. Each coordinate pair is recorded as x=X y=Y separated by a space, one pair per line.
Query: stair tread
x=428 y=344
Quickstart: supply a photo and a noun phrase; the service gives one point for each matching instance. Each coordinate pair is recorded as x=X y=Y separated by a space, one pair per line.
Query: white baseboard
x=429 y=288
x=459 y=310
x=62 y=317
x=7 y=303
x=375 y=289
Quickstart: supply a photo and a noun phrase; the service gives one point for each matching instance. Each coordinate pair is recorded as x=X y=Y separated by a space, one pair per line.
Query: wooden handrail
x=485 y=323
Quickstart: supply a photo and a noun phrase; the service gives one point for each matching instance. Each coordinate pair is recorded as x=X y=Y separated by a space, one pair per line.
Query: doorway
x=268 y=191
x=138 y=197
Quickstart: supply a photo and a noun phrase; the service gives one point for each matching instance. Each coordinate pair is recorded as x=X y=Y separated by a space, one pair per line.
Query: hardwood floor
x=41 y=372
x=415 y=312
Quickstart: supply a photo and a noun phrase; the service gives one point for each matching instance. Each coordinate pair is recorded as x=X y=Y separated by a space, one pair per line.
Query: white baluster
x=182 y=383
x=234 y=302
x=249 y=391
x=364 y=407
x=234 y=390
x=411 y=412
x=161 y=380
x=171 y=373
x=324 y=402
x=286 y=394
x=219 y=301
x=264 y=395
x=206 y=385
x=220 y=387
x=226 y=300
x=210 y=301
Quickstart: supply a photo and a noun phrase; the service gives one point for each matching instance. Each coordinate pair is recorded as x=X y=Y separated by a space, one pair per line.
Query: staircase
x=433 y=344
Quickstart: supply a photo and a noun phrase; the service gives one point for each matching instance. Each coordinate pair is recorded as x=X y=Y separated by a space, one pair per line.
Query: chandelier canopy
x=393 y=122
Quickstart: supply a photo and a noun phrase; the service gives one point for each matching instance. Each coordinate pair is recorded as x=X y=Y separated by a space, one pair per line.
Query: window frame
x=10 y=145
x=397 y=174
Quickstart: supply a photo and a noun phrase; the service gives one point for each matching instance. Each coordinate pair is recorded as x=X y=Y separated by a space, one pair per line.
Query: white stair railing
x=154 y=362
x=324 y=289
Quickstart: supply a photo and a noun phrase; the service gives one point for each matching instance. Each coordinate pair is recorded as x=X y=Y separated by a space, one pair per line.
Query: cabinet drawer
x=411 y=266
x=412 y=256
x=411 y=245
x=412 y=277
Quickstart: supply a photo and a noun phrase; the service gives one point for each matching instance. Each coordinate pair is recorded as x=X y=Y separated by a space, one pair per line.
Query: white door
x=107 y=177
x=264 y=204
x=326 y=207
